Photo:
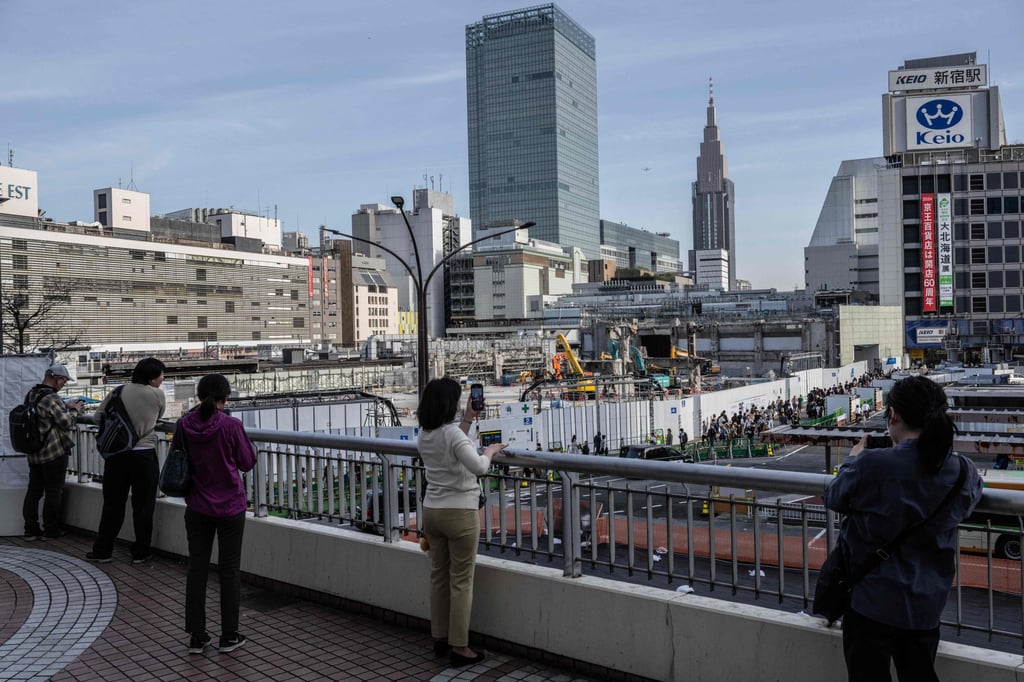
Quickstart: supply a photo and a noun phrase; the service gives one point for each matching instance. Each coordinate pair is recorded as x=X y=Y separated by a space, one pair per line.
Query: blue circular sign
x=939 y=114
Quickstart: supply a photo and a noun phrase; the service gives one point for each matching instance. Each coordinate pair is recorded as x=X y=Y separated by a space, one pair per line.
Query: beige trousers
x=453 y=535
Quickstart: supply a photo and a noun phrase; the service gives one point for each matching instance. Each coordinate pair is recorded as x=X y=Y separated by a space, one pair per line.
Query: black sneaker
x=97 y=559
x=34 y=535
x=231 y=642
x=198 y=643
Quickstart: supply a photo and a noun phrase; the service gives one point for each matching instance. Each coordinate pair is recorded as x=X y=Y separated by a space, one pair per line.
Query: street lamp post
x=422 y=284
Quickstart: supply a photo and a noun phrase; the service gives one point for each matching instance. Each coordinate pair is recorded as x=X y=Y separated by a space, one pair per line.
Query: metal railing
x=739 y=532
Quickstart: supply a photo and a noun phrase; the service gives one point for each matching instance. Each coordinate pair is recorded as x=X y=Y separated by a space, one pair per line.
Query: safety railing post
x=261 y=480
x=389 y=505
x=572 y=525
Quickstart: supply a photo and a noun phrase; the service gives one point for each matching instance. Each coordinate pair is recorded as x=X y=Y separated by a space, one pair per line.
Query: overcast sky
x=311 y=108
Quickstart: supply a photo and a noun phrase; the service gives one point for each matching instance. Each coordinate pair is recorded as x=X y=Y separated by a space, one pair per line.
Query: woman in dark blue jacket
x=895 y=608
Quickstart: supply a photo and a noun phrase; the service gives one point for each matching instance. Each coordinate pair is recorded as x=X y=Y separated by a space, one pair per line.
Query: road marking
x=782 y=457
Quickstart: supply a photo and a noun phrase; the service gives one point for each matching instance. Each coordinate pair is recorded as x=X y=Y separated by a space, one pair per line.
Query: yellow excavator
x=584 y=386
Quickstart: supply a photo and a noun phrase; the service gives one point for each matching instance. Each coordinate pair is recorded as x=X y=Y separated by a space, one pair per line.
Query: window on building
x=298 y=322
x=960 y=183
x=19 y=261
x=977 y=181
x=20 y=282
x=995 y=280
x=911 y=209
x=927 y=184
x=977 y=206
x=101 y=201
x=295 y=294
x=1013 y=303
x=126 y=218
x=995 y=230
x=995 y=254
x=201 y=275
x=944 y=183
x=977 y=255
x=201 y=322
x=229 y=306
x=979 y=304
x=995 y=304
x=961 y=280
x=994 y=205
x=1011 y=229
x=912 y=306
x=911 y=234
x=1010 y=180
x=255 y=336
x=1011 y=204
x=125 y=200
x=172 y=319
x=977 y=231
x=102 y=215
x=1011 y=253
x=1012 y=279
x=993 y=180
x=961 y=231
x=978 y=280
x=911 y=258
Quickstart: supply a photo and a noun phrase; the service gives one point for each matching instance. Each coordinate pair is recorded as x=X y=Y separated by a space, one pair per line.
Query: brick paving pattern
x=62 y=618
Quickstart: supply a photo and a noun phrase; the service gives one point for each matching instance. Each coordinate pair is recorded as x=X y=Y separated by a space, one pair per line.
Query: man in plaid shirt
x=47 y=469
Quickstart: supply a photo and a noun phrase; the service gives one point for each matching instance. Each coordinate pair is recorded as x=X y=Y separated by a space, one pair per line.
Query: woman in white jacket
x=450 y=514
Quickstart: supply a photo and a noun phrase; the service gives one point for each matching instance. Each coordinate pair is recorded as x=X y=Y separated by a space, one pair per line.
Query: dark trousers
x=869 y=646
x=200 y=529
x=45 y=482
x=136 y=471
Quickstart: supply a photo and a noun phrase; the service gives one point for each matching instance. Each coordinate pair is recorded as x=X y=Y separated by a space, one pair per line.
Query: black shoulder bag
x=175 y=476
x=836 y=580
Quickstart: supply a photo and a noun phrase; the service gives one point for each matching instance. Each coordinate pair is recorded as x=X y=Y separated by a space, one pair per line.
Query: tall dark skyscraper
x=713 y=257
x=531 y=90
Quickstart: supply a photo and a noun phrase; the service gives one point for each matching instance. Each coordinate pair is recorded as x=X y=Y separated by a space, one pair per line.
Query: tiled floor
x=63 y=618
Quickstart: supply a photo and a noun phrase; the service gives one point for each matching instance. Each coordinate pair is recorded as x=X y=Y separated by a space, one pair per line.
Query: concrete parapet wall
x=645 y=631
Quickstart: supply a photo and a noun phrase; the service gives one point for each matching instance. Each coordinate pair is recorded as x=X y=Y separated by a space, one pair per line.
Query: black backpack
x=116 y=434
x=23 y=425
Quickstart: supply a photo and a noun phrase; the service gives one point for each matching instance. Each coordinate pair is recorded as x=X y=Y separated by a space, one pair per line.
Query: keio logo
x=939 y=114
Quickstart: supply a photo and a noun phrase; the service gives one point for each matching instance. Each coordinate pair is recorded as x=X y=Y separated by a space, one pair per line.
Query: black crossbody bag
x=836 y=580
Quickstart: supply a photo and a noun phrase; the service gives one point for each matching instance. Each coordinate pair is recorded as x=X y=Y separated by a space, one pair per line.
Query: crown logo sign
x=938 y=114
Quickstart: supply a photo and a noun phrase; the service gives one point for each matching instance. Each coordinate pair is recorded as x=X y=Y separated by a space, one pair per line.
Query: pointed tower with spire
x=713 y=257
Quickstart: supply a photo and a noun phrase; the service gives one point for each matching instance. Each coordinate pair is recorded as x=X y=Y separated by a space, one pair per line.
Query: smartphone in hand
x=476 y=397
x=880 y=441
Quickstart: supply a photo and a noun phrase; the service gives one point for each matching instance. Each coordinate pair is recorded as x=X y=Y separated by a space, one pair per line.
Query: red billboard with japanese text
x=928 y=273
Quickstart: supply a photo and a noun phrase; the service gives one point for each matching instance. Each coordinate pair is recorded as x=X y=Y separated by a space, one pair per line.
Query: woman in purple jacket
x=218 y=450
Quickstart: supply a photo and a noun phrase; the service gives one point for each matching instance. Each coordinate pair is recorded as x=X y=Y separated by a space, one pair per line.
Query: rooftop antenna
x=425 y=177
x=131 y=177
x=711 y=91
x=440 y=182
x=431 y=183
x=10 y=156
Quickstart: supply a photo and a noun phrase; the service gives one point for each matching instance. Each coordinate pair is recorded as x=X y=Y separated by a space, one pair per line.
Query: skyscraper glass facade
x=531 y=86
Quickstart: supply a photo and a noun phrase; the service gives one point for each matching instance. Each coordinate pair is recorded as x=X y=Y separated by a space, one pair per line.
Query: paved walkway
x=63 y=618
